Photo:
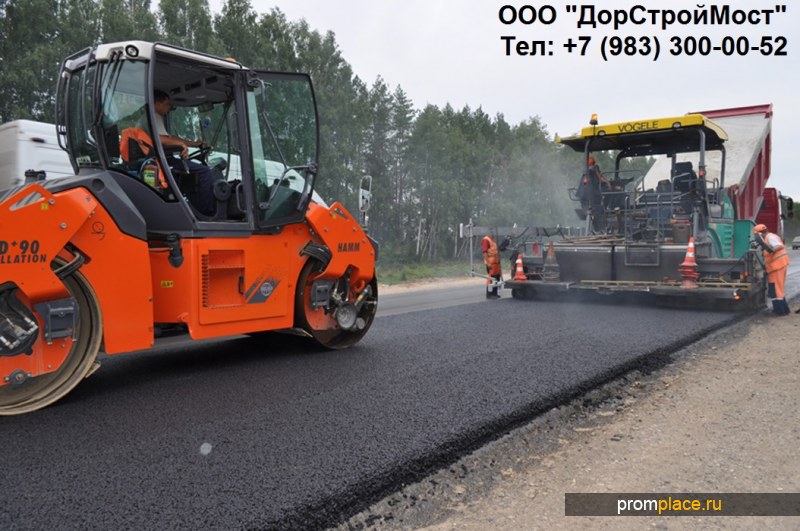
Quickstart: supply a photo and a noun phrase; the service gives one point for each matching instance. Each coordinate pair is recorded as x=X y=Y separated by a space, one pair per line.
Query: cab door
x=254 y=278
x=284 y=142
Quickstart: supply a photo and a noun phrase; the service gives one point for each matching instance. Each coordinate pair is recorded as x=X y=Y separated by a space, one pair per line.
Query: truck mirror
x=365 y=193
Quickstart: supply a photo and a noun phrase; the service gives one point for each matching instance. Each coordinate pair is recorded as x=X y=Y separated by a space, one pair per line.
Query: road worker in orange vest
x=776 y=262
x=491 y=257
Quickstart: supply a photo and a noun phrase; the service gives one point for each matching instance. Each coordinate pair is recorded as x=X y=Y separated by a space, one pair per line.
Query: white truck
x=29 y=145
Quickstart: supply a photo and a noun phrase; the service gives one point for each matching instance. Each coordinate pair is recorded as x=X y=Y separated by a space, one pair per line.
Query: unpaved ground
x=465 y=281
x=723 y=417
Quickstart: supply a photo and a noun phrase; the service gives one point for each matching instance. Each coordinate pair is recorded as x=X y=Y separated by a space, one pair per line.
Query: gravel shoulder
x=406 y=287
x=721 y=417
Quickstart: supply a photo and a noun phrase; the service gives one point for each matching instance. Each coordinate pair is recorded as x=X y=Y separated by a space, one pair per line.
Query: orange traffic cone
x=550 y=271
x=520 y=273
x=688 y=269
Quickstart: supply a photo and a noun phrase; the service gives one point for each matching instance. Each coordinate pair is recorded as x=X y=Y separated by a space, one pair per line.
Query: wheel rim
x=40 y=391
x=322 y=327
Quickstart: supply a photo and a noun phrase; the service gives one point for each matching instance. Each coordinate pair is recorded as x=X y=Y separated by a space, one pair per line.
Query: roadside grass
x=399 y=273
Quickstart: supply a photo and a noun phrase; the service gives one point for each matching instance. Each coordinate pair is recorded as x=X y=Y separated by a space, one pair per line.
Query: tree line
x=432 y=168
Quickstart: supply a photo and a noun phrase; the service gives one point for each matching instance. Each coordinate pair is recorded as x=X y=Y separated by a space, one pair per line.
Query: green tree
x=236 y=35
x=30 y=59
x=343 y=110
x=79 y=25
x=431 y=177
x=186 y=23
x=278 y=45
x=400 y=209
x=127 y=19
x=376 y=156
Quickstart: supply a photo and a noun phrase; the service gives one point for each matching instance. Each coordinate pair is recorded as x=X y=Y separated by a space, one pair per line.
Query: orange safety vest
x=777 y=260
x=136 y=144
x=492 y=257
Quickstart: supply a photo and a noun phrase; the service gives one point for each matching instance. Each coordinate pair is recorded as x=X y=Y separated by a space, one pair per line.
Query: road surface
x=272 y=432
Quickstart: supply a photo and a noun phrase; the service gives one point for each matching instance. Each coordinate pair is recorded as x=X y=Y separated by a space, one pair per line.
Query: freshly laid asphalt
x=263 y=433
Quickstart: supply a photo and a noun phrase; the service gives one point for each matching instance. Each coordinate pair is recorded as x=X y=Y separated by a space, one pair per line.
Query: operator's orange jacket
x=491 y=256
x=777 y=260
x=135 y=136
x=776 y=265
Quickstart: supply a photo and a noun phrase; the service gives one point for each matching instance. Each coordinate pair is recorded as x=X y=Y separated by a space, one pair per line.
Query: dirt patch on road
x=722 y=417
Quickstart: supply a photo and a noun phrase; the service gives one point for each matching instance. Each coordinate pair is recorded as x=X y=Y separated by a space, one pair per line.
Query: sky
x=451 y=51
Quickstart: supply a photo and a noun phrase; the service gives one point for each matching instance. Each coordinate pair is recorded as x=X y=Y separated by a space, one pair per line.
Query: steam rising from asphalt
x=536 y=193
